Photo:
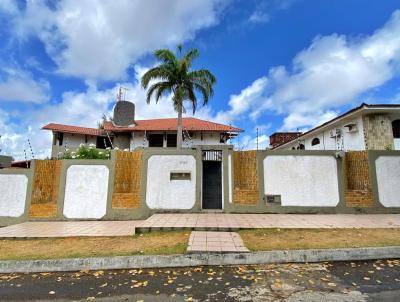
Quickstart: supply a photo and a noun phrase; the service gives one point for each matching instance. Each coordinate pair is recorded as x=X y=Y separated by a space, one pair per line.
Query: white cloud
x=75 y=108
x=101 y=39
x=333 y=71
x=17 y=85
x=246 y=100
x=259 y=17
x=247 y=142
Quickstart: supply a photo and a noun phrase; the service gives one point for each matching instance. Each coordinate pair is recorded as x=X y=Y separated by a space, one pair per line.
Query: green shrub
x=86 y=152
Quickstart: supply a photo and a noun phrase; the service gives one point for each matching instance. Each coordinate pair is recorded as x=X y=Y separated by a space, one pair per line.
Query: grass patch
x=153 y=243
x=295 y=239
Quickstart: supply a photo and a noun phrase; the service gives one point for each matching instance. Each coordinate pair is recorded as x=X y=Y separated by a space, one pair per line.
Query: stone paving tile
x=215 y=242
x=198 y=221
x=52 y=229
x=245 y=221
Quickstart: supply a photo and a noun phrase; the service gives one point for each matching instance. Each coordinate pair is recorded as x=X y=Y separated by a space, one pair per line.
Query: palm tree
x=175 y=75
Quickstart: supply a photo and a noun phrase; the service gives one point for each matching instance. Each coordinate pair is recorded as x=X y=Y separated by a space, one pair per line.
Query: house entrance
x=212 y=179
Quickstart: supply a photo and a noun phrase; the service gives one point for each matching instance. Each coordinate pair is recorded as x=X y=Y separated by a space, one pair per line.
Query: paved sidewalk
x=216 y=242
x=198 y=222
x=54 y=229
x=225 y=222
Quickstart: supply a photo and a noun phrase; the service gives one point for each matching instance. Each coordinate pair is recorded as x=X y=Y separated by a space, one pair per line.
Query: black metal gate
x=212 y=179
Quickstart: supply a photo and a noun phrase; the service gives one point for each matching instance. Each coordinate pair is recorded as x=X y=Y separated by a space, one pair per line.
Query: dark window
x=171 y=140
x=293 y=148
x=60 y=137
x=396 y=128
x=103 y=142
x=315 y=141
x=156 y=140
x=301 y=147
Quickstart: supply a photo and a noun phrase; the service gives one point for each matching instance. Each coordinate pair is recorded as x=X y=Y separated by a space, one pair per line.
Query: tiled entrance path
x=69 y=229
x=216 y=242
x=198 y=222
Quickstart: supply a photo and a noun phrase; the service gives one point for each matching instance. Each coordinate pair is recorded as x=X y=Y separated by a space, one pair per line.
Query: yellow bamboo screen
x=358 y=183
x=245 y=180
x=46 y=183
x=127 y=180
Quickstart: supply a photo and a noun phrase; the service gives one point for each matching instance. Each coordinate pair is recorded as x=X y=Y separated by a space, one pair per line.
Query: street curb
x=154 y=261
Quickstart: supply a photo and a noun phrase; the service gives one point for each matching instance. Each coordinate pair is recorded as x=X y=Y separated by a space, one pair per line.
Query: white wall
x=73 y=141
x=351 y=140
x=397 y=144
x=86 y=191
x=230 y=181
x=302 y=180
x=163 y=193
x=388 y=177
x=13 y=189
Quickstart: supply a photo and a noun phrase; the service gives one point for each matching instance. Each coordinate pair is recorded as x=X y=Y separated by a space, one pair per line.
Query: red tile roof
x=165 y=124
x=74 y=129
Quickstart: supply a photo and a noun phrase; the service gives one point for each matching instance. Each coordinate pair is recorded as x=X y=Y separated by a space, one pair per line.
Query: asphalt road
x=340 y=281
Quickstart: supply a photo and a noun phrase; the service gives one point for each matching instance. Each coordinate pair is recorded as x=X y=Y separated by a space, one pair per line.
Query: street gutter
x=200 y=259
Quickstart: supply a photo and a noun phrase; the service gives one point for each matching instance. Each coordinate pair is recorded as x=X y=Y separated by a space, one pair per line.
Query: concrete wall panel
x=163 y=193
x=302 y=180
x=13 y=190
x=86 y=191
x=388 y=178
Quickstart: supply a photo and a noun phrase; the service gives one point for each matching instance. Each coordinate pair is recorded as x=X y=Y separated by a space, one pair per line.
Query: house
x=125 y=132
x=367 y=127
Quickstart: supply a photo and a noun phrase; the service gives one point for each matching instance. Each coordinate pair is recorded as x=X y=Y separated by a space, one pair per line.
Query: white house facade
x=367 y=127
x=124 y=132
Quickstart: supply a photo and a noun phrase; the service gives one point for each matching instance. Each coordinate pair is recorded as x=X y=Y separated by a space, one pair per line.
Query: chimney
x=124 y=114
x=124 y=111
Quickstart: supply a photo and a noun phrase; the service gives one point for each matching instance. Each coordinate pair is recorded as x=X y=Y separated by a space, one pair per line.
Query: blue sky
x=281 y=65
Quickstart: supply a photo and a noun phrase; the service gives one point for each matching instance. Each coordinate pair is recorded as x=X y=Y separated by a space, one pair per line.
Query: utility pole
x=257 y=137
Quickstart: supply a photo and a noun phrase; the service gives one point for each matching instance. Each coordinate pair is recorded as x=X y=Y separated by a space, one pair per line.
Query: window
x=396 y=128
x=156 y=140
x=171 y=140
x=103 y=142
x=315 y=141
x=301 y=147
x=60 y=137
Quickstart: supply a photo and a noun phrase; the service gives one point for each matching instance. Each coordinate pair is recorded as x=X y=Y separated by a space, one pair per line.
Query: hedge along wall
x=245 y=178
x=358 y=192
x=127 y=180
x=46 y=183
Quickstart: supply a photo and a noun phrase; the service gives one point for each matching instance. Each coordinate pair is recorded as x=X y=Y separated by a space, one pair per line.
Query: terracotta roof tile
x=74 y=129
x=165 y=124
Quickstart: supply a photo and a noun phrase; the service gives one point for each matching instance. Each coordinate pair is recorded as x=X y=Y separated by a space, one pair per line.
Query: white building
x=367 y=127
x=125 y=132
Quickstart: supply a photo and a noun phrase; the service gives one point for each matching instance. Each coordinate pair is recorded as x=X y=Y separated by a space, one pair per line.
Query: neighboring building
x=125 y=132
x=367 y=127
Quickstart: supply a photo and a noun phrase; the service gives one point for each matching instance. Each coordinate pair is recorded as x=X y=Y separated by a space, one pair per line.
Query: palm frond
x=161 y=72
x=166 y=56
x=158 y=89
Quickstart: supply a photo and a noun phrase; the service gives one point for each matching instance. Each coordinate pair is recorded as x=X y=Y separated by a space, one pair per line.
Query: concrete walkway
x=198 y=222
x=216 y=242
x=54 y=229
x=223 y=222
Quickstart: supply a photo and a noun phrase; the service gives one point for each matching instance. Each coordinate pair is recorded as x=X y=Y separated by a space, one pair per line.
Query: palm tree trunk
x=179 y=133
